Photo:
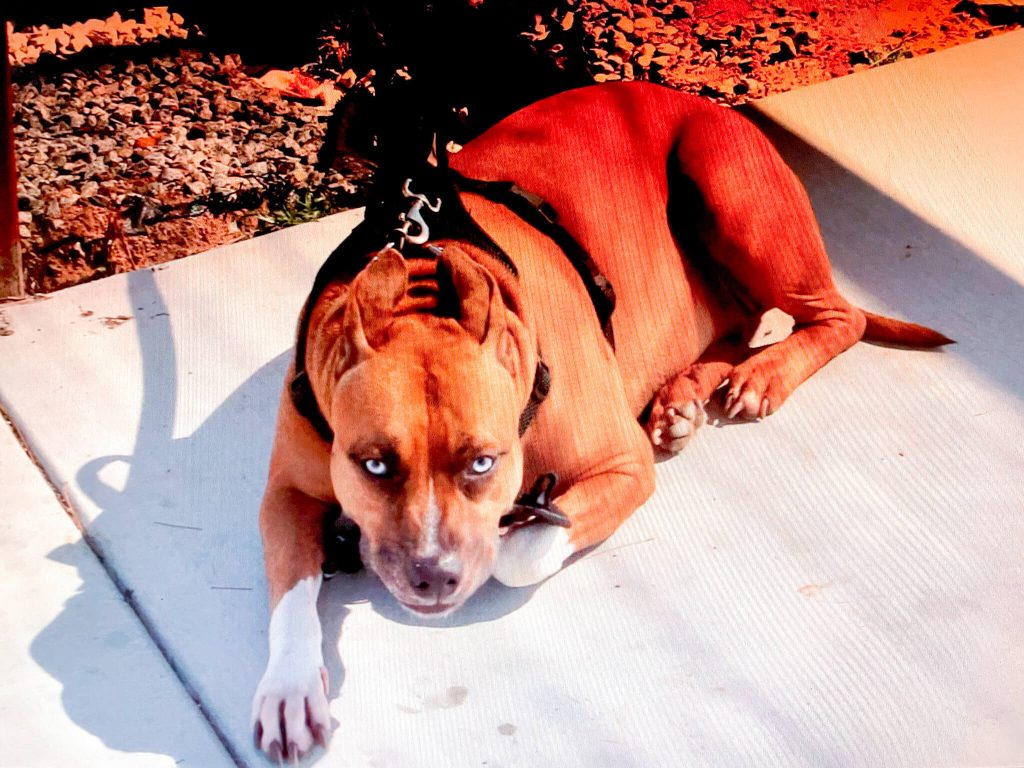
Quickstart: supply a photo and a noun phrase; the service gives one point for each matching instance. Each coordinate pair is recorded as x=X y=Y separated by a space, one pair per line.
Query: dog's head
x=425 y=412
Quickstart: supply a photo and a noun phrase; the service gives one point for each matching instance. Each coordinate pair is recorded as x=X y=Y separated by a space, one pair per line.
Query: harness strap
x=541 y=387
x=356 y=250
x=305 y=403
x=540 y=215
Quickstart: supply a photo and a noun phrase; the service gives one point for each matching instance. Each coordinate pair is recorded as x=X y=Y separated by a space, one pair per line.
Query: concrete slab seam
x=126 y=593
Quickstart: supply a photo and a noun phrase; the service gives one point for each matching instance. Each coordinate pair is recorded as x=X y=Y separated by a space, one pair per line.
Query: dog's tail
x=888 y=330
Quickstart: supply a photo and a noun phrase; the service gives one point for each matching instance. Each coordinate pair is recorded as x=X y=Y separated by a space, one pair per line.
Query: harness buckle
x=537 y=506
x=412 y=227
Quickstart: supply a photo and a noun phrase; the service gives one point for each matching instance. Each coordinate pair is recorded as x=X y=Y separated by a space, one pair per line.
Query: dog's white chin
x=431 y=612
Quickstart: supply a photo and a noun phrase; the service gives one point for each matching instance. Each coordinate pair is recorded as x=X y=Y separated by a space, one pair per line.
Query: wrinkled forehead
x=382 y=395
x=448 y=392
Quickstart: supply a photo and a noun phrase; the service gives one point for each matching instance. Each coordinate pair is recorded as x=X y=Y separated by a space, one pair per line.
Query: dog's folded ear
x=481 y=309
x=373 y=297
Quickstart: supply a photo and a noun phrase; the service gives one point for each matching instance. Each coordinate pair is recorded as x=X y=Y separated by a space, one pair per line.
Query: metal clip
x=536 y=506
x=414 y=217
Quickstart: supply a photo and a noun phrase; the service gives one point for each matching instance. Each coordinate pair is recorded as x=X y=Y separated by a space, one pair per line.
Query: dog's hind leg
x=754 y=220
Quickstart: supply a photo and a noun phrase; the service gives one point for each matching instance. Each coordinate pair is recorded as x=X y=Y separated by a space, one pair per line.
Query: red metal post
x=11 y=278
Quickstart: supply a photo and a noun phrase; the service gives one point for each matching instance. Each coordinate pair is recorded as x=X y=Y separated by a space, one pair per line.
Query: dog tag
x=774 y=326
x=536 y=506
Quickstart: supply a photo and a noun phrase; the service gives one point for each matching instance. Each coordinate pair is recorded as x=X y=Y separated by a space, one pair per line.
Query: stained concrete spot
x=453 y=697
x=810 y=590
x=115 y=321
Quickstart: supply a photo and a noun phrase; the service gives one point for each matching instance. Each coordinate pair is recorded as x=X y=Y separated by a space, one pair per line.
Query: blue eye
x=375 y=467
x=482 y=465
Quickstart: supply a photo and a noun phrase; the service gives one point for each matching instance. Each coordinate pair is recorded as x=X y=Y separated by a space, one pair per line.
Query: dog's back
x=601 y=156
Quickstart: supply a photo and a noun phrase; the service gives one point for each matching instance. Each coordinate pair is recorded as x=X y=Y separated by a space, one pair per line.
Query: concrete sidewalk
x=84 y=683
x=839 y=585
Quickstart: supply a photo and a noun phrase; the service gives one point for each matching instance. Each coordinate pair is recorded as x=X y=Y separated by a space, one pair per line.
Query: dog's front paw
x=671 y=428
x=530 y=554
x=290 y=712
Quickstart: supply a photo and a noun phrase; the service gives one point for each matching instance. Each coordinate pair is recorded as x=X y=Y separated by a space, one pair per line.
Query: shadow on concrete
x=98 y=665
x=911 y=269
x=186 y=501
x=211 y=481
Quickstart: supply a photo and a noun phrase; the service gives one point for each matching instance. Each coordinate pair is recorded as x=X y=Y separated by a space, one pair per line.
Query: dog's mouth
x=434 y=611
x=424 y=603
x=419 y=586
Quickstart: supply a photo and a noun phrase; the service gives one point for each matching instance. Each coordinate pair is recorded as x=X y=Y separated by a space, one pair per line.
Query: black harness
x=396 y=217
x=390 y=219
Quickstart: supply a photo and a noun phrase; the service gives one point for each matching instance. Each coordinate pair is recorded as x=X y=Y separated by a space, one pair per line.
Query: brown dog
x=700 y=227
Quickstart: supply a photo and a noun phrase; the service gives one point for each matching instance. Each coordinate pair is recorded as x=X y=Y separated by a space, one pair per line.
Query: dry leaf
x=145 y=142
x=774 y=326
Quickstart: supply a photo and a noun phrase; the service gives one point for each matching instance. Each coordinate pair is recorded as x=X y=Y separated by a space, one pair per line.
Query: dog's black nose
x=430 y=579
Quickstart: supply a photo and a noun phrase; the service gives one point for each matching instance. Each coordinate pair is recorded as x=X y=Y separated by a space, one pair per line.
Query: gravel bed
x=107 y=153
x=733 y=51
x=158 y=151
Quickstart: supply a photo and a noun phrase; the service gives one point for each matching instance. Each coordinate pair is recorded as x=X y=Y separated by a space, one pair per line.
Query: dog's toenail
x=274 y=751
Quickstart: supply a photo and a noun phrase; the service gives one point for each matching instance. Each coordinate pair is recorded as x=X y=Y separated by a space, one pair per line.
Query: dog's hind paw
x=290 y=717
x=755 y=390
x=671 y=428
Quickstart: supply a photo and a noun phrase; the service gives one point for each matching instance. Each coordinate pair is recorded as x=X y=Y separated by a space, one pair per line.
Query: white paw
x=530 y=554
x=677 y=426
x=746 y=402
x=289 y=711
